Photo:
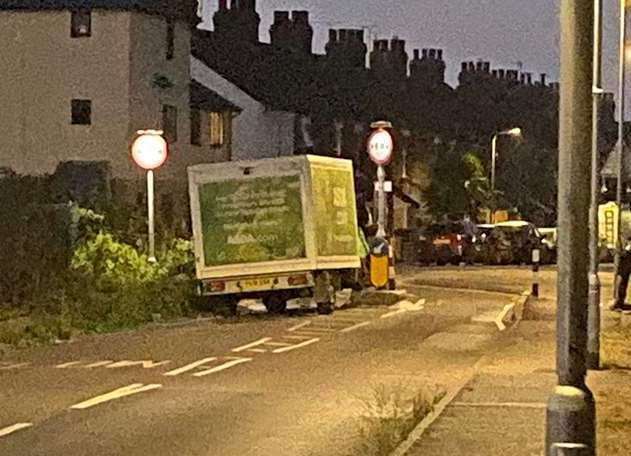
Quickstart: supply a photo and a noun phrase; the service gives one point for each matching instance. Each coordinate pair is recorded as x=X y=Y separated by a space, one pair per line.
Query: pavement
x=501 y=408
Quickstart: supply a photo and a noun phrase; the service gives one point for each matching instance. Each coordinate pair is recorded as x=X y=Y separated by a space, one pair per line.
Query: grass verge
x=391 y=413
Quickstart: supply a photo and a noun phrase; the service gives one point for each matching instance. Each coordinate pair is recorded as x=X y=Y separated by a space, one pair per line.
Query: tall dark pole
x=571 y=415
x=620 y=145
x=593 y=311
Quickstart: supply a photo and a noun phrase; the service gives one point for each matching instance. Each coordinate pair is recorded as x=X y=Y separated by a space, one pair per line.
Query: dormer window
x=81 y=23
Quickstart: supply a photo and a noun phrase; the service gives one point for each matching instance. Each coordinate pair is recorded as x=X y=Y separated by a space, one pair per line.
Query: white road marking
x=70 y=364
x=16 y=427
x=499 y=321
x=98 y=364
x=293 y=347
x=116 y=394
x=13 y=366
x=393 y=313
x=257 y=350
x=354 y=327
x=250 y=345
x=224 y=366
x=316 y=329
x=189 y=367
x=147 y=364
x=277 y=344
x=293 y=328
x=299 y=337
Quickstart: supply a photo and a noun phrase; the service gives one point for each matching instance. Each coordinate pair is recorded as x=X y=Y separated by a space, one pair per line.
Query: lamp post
x=593 y=311
x=149 y=151
x=571 y=411
x=512 y=132
x=620 y=145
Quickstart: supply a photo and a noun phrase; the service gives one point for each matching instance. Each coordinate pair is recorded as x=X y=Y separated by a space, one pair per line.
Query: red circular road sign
x=380 y=146
x=149 y=150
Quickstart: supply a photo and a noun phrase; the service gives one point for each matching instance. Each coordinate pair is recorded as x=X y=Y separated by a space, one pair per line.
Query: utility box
x=272 y=224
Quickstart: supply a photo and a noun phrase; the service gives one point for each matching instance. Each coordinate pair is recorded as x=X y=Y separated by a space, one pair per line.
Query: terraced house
x=79 y=78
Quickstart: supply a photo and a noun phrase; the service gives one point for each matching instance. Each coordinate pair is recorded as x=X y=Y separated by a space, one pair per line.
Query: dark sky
x=504 y=32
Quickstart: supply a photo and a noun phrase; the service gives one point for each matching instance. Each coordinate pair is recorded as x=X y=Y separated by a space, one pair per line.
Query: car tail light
x=300 y=279
x=217 y=286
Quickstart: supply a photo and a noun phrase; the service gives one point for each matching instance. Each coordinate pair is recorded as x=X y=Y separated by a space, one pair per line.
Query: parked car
x=524 y=237
x=488 y=246
x=550 y=240
x=445 y=243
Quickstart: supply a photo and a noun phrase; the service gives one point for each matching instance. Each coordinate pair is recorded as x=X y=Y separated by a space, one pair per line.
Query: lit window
x=80 y=23
x=169 y=123
x=196 y=127
x=81 y=112
x=170 y=39
x=216 y=121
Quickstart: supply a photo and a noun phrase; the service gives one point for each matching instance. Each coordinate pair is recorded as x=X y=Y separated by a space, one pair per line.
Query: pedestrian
x=622 y=278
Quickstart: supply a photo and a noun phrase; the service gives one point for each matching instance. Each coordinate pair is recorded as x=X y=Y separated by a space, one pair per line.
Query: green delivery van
x=275 y=229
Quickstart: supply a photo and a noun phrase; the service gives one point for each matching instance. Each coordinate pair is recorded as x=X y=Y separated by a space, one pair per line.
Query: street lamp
x=515 y=132
x=149 y=151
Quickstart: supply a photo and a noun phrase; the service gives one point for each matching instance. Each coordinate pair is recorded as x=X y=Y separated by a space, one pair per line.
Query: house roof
x=609 y=168
x=180 y=9
x=204 y=98
x=279 y=79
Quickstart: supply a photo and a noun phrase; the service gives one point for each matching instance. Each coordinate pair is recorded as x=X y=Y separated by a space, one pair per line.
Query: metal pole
x=621 y=83
x=338 y=138
x=571 y=414
x=381 y=211
x=150 y=216
x=493 y=147
x=593 y=310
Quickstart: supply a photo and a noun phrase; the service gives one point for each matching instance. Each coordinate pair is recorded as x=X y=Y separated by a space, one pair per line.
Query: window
x=216 y=126
x=170 y=39
x=81 y=112
x=196 y=127
x=80 y=23
x=169 y=123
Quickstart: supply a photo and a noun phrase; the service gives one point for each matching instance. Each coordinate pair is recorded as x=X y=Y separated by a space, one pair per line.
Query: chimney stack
x=543 y=79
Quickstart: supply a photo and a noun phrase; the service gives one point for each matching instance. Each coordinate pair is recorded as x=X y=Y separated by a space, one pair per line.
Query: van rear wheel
x=275 y=303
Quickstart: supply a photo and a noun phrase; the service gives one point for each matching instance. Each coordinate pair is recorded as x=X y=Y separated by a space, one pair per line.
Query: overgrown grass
x=391 y=413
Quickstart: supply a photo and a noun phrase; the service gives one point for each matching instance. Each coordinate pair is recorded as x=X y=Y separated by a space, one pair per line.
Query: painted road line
x=16 y=427
x=354 y=327
x=393 y=313
x=277 y=344
x=318 y=329
x=293 y=347
x=147 y=364
x=257 y=350
x=251 y=345
x=98 y=364
x=293 y=328
x=116 y=394
x=66 y=365
x=502 y=315
x=189 y=367
x=9 y=366
x=224 y=366
x=298 y=337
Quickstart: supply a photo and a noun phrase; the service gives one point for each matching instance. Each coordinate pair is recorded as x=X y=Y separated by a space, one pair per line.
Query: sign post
x=380 y=147
x=149 y=151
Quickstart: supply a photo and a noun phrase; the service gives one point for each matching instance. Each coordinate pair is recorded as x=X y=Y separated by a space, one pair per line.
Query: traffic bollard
x=392 y=284
x=570 y=449
x=536 y=257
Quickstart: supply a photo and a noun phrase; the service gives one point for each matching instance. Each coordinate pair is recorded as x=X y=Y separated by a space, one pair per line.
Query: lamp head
x=514 y=132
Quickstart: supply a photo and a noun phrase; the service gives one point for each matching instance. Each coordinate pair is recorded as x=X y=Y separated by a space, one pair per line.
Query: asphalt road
x=290 y=385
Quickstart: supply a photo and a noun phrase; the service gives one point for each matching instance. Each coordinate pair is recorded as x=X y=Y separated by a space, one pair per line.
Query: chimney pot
x=439 y=54
x=425 y=53
x=343 y=34
x=478 y=66
x=494 y=73
x=501 y=74
x=416 y=54
x=543 y=79
x=463 y=66
x=332 y=35
x=280 y=17
x=487 y=67
x=472 y=66
x=223 y=5
x=301 y=17
x=432 y=54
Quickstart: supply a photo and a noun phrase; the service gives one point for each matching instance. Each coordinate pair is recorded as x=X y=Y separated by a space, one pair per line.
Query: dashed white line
x=66 y=365
x=354 y=327
x=301 y=325
x=116 y=394
x=16 y=427
x=277 y=344
x=98 y=364
x=147 y=364
x=14 y=366
x=189 y=367
x=224 y=366
x=257 y=350
x=253 y=344
x=297 y=336
x=293 y=347
x=393 y=313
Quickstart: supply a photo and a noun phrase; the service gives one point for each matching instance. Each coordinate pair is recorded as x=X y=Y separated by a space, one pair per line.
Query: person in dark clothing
x=622 y=278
